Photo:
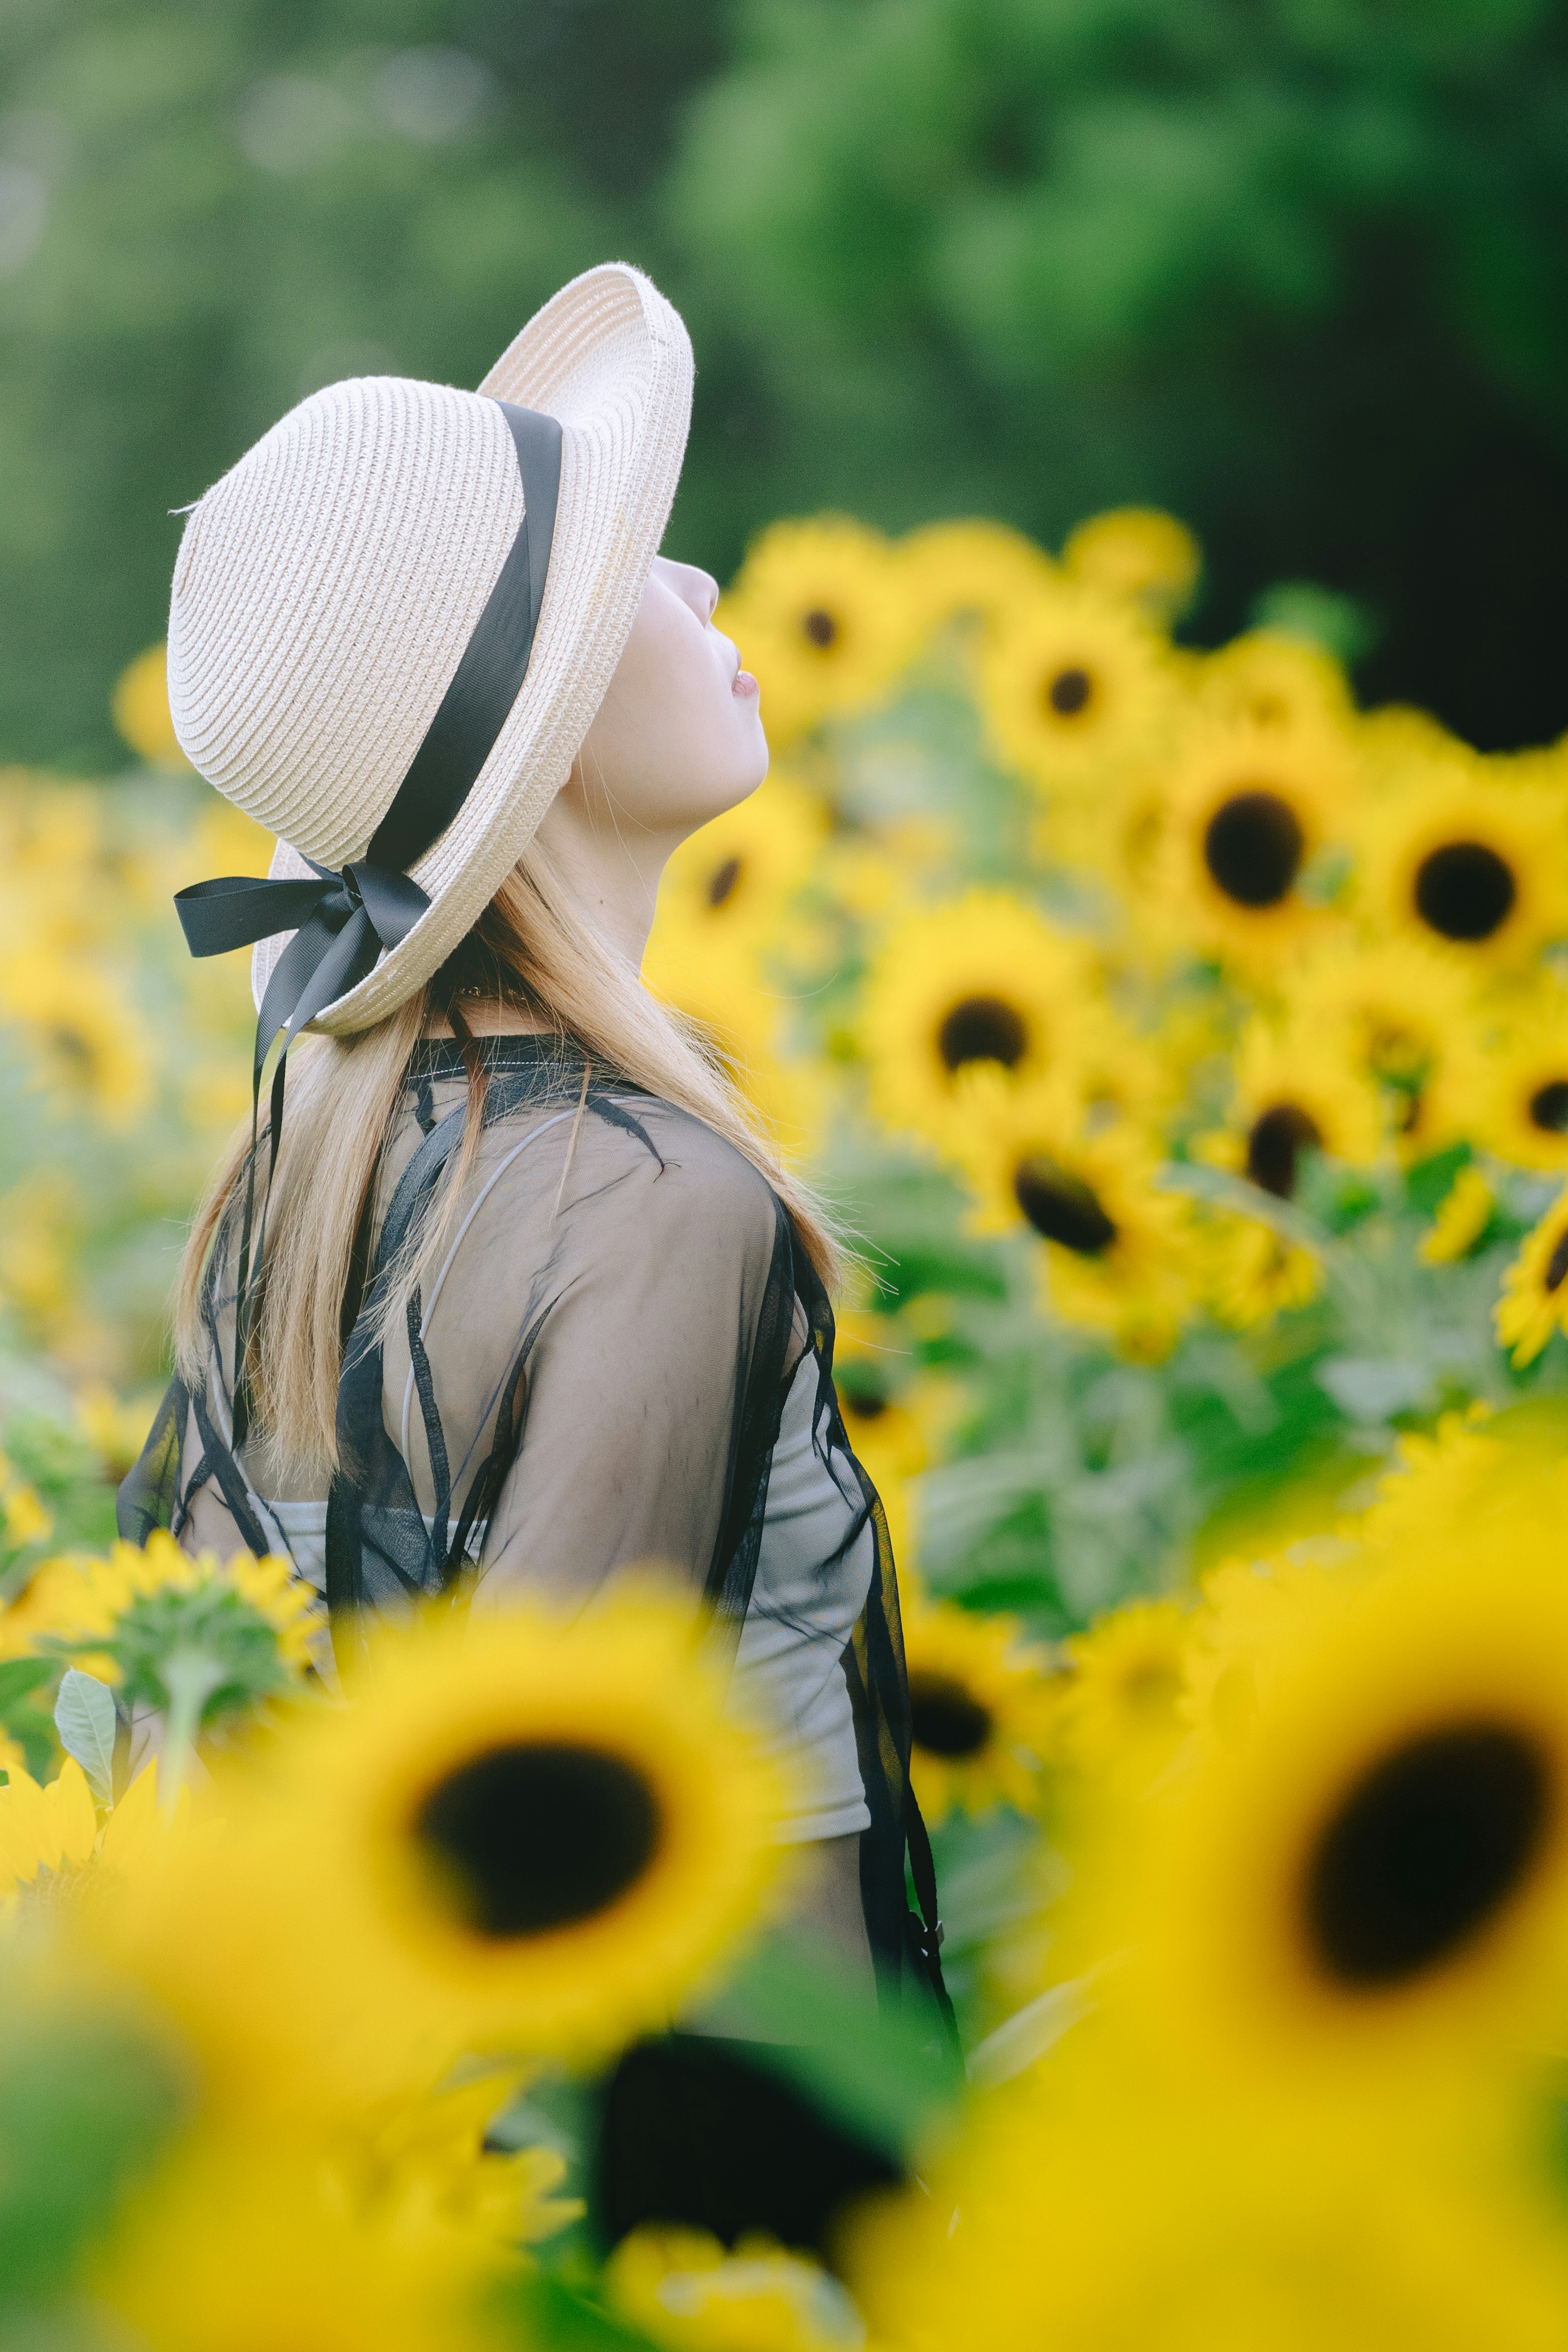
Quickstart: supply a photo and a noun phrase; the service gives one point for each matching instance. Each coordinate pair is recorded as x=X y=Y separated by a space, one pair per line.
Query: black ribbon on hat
x=343 y=922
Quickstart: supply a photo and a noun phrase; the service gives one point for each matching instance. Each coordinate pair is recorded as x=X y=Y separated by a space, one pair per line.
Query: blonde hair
x=531 y=950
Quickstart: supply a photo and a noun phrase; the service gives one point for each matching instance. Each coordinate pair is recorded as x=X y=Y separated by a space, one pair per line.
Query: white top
x=789 y=1672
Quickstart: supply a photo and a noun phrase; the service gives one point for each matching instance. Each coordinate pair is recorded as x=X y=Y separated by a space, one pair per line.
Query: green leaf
x=24 y=1710
x=549 y=2310
x=84 y=1717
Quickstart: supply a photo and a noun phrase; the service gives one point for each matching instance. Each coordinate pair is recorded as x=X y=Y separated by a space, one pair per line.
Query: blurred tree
x=1296 y=269
x=207 y=207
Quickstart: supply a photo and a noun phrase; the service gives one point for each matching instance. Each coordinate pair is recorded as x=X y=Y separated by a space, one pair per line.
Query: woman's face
x=678 y=736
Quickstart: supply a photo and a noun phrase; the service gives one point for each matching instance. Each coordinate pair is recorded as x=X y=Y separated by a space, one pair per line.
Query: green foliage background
x=1296 y=269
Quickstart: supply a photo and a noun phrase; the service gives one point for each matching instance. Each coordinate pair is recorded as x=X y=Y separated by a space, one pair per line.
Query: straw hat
x=327 y=586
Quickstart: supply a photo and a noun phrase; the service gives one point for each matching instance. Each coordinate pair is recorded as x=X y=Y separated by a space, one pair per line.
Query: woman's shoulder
x=681 y=1169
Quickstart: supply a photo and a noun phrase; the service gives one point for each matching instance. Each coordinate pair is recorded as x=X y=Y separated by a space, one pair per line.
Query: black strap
x=341 y=922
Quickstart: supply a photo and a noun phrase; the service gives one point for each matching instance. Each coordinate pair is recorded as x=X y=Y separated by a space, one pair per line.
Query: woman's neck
x=612 y=871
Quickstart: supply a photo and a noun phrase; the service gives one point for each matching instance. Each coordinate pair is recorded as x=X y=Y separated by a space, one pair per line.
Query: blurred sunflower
x=1535 y=1302
x=1091 y=2208
x=1378 y=1876
x=1463 y=1219
x=820 y=614
x=725 y=890
x=1120 y=1708
x=1394 y=1010
x=1294 y=1094
x=1477 y=868
x=140 y=709
x=980 y=1704
x=90 y=1044
x=975 y=572
x=1074 y=688
x=742 y=1026
x=1248 y=808
x=984 y=980
x=1139 y=554
x=1274 y=683
x=241 y=2245
x=1117 y=1256
x=1509 y=1092
x=535 y=1835
x=682 y=2289
x=895 y=1420
x=1252 y=1274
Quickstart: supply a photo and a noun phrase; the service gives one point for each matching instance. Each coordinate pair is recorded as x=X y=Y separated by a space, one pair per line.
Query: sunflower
x=1253 y=1273
x=1117 y=1256
x=682 y=2289
x=526 y=1835
x=726 y=889
x=742 y=1027
x=1393 y=1011
x=820 y=613
x=1463 y=1220
x=969 y=572
x=1074 y=690
x=1509 y=1093
x=1248 y=808
x=1534 y=1301
x=984 y=979
x=240 y=2244
x=1295 y=1095
x=1092 y=2208
x=1471 y=866
x=1275 y=683
x=140 y=709
x=1139 y=554
x=896 y=1420
x=1378 y=1875
x=1121 y=1706
x=44 y=1831
x=980 y=1710
x=91 y=1046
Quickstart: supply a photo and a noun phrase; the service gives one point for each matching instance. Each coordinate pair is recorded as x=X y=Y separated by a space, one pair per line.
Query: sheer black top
x=592 y=1377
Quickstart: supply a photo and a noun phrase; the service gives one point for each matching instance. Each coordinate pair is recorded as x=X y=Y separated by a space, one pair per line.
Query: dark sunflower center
x=1274 y=1145
x=722 y=880
x=945 y=1716
x=1069 y=692
x=1253 y=847
x=1151 y=1689
x=1464 y=890
x=820 y=628
x=865 y=1405
x=539 y=1835
x=1549 y=1107
x=1425 y=1852
x=1061 y=1206
x=983 y=1029
x=1557 y=1263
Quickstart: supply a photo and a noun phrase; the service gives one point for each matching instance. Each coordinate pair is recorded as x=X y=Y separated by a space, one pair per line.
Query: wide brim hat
x=327 y=586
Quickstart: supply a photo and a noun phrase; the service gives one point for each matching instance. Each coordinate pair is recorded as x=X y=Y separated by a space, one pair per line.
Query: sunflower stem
x=189 y=1677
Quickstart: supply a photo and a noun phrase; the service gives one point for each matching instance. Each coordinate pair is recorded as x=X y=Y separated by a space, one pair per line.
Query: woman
x=512 y=1294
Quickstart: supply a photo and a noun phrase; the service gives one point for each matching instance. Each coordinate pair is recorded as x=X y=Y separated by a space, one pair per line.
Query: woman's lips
x=744 y=684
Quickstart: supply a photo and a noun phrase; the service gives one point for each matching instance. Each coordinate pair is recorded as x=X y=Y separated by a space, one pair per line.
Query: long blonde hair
x=533 y=950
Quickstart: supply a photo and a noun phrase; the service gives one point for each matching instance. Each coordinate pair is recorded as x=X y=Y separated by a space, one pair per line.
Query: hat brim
x=611 y=361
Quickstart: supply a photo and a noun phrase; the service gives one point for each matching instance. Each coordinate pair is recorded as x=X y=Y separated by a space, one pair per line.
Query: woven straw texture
x=327 y=585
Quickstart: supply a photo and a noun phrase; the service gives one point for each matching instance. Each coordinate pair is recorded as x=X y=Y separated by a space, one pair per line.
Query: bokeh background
x=1293 y=270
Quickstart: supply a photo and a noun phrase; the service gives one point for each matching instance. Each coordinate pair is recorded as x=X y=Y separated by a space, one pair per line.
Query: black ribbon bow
x=343 y=922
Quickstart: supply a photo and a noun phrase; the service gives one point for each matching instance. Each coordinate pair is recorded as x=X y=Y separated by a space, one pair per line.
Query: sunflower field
x=1185 y=1053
